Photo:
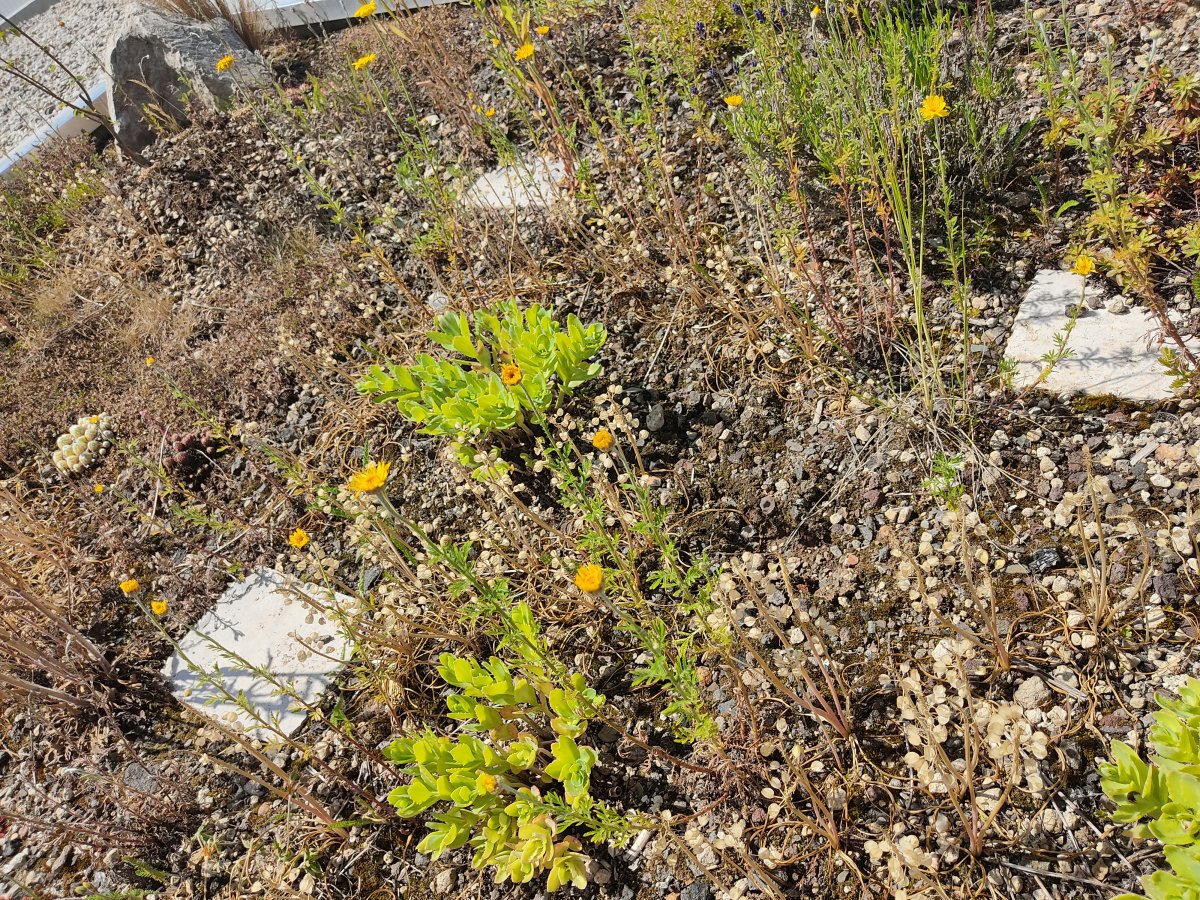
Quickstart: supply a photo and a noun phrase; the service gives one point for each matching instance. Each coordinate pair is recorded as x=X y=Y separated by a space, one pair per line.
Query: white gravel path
x=76 y=32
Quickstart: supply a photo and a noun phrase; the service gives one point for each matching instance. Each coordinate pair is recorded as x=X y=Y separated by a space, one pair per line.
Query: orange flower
x=371 y=478
x=589 y=578
x=510 y=374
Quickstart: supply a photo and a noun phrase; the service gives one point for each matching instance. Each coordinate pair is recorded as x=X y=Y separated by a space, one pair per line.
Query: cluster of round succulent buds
x=189 y=456
x=84 y=443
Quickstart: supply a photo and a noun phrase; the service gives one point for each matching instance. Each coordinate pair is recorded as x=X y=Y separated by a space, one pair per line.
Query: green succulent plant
x=508 y=793
x=1161 y=798
x=509 y=364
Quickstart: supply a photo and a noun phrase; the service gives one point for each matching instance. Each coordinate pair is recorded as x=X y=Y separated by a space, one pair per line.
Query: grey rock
x=141 y=779
x=697 y=890
x=1031 y=693
x=163 y=62
x=656 y=418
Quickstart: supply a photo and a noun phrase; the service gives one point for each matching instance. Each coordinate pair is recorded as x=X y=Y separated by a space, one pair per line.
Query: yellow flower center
x=1084 y=265
x=934 y=107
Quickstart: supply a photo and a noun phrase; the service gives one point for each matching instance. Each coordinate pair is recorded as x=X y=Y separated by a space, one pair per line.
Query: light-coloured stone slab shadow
x=534 y=183
x=1113 y=353
x=263 y=622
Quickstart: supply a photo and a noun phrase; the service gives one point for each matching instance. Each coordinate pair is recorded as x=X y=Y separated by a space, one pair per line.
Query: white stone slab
x=1113 y=353
x=533 y=183
x=267 y=623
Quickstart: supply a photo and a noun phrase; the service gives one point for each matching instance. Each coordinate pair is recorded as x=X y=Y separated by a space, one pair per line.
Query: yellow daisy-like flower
x=543 y=30
x=363 y=61
x=589 y=578
x=95 y=420
x=495 y=42
x=934 y=107
x=523 y=52
x=149 y=360
x=225 y=63
x=129 y=586
x=816 y=11
x=99 y=489
x=602 y=439
x=371 y=478
x=510 y=374
x=1084 y=265
x=367 y=9
x=298 y=538
x=485 y=783
x=733 y=101
x=158 y=607
x=491 y=112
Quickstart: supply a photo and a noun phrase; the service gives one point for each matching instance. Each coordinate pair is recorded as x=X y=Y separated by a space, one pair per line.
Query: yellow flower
x=510 y=374
x=523 y=52
x=495 y=42
x=816 y=11
x=95 y=420
x=99 y=489
x=149 y=360
x=225 y=63
x=934 y=107
x=485 y=783
x=589 y=578
x=733 y=101
x=602 y=439
x=129 y=586
x=478 y=109
x=543 y=30
x=363 y=61
x=298 y=538
x=159 y=607
x=371 y=478
x=491 y=112
x=367 y=9
x=1084 y=265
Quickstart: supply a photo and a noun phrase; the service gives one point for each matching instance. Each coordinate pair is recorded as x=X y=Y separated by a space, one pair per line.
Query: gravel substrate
x=75 y=33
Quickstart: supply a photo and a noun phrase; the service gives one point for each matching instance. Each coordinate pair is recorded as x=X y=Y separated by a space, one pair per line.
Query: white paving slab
x=1113 y=353
x=263 y=623
x=534 y=183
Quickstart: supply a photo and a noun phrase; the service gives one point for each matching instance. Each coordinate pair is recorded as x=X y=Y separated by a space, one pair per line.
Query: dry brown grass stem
x=247 y=20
